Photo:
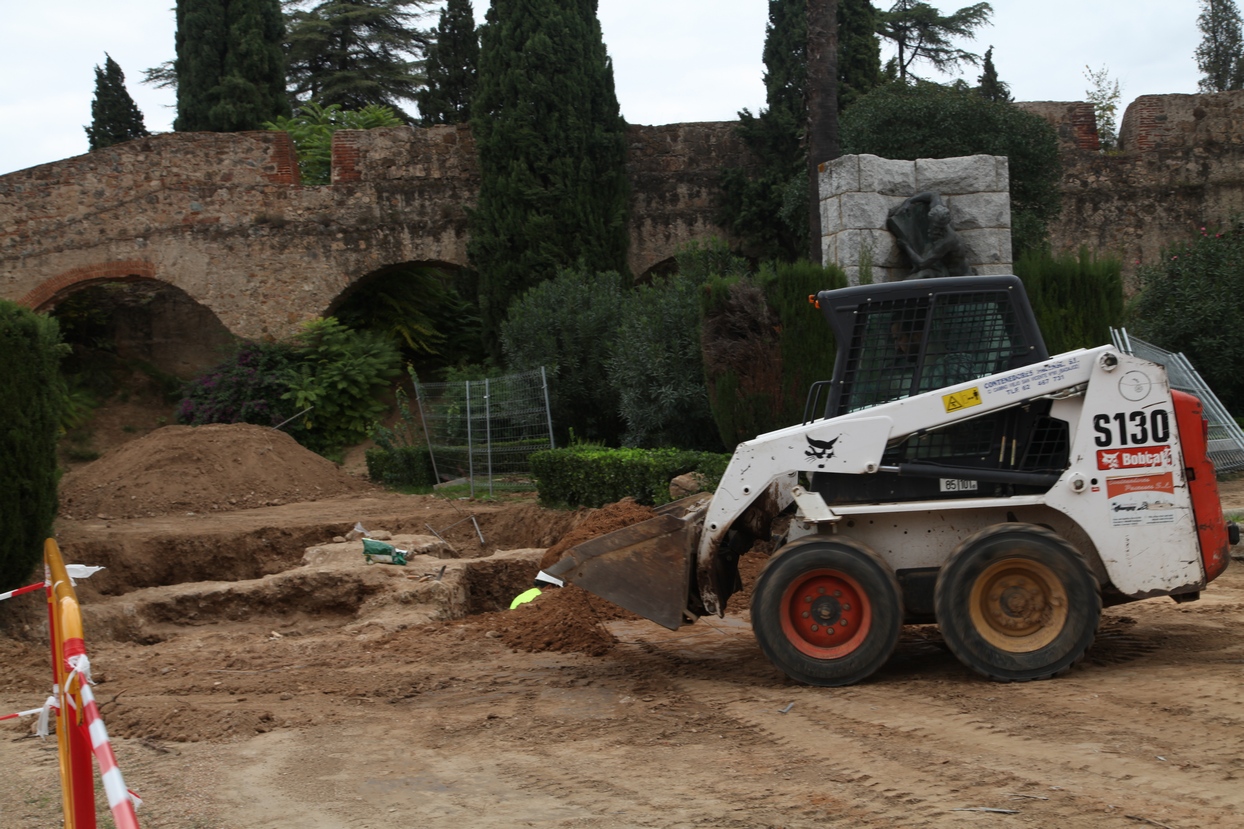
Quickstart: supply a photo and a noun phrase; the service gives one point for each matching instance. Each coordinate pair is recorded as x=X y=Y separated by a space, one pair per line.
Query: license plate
x=958 y=485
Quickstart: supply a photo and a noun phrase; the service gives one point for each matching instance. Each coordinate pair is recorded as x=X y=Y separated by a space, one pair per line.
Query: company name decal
x=1140 y=483
x=1145 y=457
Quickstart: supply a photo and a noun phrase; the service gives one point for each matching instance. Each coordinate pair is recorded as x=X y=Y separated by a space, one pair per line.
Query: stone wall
x=223 y=217
x=1180 y=167
x=858 y=191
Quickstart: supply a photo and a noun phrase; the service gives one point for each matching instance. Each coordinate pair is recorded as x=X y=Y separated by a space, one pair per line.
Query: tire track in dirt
x=895 y=722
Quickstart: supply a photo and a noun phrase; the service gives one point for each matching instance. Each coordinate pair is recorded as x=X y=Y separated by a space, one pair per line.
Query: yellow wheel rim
x=1018 y=605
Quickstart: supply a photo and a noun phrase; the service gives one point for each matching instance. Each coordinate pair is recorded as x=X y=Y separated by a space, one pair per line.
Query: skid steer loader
x=951 y=471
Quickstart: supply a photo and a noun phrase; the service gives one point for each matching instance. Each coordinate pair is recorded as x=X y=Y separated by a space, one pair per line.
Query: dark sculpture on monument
x=921 y=225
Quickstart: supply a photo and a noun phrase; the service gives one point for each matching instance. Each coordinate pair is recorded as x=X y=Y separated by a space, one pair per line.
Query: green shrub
x=247 y=388
x=31 y=391
x=400 y=466
x=655 y=368
x=336 y=372
x=764 y=345
x=592 y=476
x=312 y=128
x=1076 y=297
x=568 y=325
x=340 y=373
x=927 y=120
x=1192 y=301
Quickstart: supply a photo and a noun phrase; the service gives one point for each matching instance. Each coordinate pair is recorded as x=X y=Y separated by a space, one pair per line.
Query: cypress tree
x=31 y=391
x=766 y=207
x=822 y=134
x=356 y=53
x=230 y=69
x=114 y=115
x=859 y=51
x=451 y=67
x=552 y=152
x=990 y=87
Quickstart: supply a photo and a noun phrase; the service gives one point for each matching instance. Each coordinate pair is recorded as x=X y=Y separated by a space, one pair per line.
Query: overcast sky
x=674 y=60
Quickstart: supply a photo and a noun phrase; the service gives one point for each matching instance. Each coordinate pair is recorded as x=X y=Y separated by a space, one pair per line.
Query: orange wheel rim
x=826 y=614
x=1018 y=605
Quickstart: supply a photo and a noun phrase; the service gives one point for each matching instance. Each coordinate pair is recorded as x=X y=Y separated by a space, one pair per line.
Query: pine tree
x=990 y=88
x=357 y=52
x=765 y=207
x=922 y=33
x=451 y=67
x=552 y=152
x=859 y=51
x=229 y=66
x=114 y=115
x=1220 y=56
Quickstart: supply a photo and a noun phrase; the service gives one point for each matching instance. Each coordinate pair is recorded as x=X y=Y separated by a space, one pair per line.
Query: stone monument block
x=859 y=191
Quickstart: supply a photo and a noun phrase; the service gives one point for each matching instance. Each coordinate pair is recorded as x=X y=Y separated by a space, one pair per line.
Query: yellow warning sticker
x=962 y=399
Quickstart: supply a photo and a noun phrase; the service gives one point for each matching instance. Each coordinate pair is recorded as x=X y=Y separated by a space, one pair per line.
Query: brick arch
x=121 y=269
x=353 y=285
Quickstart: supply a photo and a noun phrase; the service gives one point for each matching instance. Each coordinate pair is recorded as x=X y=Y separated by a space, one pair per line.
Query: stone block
x=955 y=176
x=988 y=247
x=889 y=177
x=865 y=210
x=824 y=180
x=829 y=248
x=851 y=245
x=980 y=210
x=831 y=215
x=842 y=175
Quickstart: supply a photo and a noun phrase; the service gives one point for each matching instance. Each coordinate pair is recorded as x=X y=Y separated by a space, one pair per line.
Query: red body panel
x=1211 y=528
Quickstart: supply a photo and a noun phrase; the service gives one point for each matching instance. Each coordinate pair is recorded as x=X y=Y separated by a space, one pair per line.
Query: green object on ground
x=377 y=552
x=524 y=597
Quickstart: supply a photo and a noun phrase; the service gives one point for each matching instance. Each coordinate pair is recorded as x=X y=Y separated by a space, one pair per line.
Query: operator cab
x=899 y=339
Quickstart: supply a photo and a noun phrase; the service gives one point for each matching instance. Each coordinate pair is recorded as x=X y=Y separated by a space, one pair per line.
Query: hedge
x=592 y=476
x=400 y=466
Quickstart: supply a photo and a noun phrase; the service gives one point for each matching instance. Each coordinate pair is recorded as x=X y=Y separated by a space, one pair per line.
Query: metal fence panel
x=484 y=431
x=1226 y=439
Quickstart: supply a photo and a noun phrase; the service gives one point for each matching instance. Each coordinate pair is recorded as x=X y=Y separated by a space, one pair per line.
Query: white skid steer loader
x=951 y=471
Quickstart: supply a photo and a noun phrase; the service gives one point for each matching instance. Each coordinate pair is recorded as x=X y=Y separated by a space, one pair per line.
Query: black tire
x=1016 y=602
x=814 y=586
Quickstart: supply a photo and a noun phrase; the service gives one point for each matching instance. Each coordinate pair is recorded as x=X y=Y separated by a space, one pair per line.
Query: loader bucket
x=646 y=567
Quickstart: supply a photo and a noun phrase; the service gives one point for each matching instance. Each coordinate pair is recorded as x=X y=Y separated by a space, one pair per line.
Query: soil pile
x=608 y=518
x=202 y=469
x=561 y=620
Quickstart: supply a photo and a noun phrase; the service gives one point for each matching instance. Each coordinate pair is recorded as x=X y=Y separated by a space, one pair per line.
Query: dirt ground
x=255 y=673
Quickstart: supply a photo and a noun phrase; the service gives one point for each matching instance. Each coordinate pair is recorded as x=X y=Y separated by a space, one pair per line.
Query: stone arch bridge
x=222 y=216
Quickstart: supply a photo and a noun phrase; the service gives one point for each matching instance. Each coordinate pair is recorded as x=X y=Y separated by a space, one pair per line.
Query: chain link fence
x=1226 y=440
x=484 y=431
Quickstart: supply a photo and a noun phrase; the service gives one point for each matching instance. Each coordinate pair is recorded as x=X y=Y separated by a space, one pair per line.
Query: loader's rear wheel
x=827 y=612
x=1016 y=602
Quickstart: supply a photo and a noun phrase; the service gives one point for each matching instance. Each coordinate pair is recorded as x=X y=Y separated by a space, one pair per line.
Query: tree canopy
x=229 y=67
x=114 y=115
x=1220 y=55
x=927 y=120
x=552 y=152
x=356 y=53
x=989 y=86
x=922 y=33
x=451 y=67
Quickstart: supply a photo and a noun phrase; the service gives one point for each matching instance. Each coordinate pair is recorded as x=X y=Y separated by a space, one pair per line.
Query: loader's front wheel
x=1016 y=602
x=827 y=612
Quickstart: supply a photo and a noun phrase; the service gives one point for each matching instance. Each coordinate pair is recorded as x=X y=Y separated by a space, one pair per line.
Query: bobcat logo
x=820 y=450
x=1109 y=460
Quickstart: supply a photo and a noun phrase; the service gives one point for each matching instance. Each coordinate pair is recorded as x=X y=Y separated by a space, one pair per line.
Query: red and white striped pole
x=30 y=588
x=109 y=773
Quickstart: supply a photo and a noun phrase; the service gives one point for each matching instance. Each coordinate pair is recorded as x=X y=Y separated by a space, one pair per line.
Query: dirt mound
x=558 y=620
x=202 y=469
x=608 y=518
